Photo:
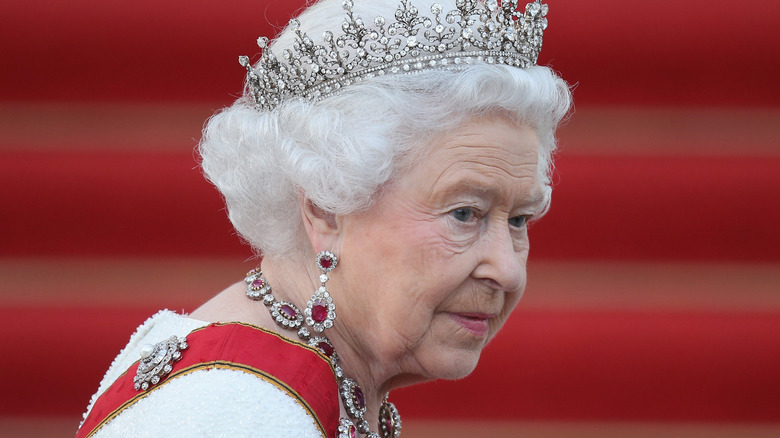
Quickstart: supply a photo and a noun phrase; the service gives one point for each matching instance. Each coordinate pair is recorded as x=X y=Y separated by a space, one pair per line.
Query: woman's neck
x=295 y=281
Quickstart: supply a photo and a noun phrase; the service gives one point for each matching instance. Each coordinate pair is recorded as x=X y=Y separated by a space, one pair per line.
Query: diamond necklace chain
x=289 y=317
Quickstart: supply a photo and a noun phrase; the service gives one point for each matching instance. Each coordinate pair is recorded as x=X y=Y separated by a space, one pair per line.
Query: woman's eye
x=518 y=221
x=463 y=214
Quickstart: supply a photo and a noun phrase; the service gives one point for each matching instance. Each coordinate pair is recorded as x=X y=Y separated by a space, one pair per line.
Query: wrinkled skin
x=430 y=273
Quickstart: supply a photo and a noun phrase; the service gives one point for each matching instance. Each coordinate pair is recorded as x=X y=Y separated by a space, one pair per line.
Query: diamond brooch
x=157 y=361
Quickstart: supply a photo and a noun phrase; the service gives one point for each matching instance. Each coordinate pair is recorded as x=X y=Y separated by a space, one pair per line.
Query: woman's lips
x=476 y=323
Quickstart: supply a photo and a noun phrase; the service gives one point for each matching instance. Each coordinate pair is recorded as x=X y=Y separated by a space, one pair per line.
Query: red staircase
x=654 y=293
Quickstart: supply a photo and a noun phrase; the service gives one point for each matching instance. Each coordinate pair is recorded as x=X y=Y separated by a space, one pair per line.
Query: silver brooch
x=157 y=361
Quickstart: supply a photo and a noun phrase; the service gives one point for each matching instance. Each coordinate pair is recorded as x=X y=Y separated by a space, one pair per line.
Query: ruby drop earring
x=320 y=311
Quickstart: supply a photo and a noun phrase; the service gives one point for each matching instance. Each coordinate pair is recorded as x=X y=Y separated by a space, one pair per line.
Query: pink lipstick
x=476 y=323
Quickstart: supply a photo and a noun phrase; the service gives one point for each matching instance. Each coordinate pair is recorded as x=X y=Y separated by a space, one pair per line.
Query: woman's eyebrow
x=537 y=199
x=476 y=187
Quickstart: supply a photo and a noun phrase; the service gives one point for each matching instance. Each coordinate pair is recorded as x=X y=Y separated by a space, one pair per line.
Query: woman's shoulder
x=217 y=402
x=227 y=375
x=156 y=328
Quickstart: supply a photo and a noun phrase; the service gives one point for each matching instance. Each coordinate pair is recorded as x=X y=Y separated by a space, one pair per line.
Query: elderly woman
x=385 y=160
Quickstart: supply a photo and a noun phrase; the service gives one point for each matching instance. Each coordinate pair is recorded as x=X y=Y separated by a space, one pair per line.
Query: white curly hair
x=341 y=150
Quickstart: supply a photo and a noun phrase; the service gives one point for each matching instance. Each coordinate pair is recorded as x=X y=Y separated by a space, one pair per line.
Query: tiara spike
x=492 y=31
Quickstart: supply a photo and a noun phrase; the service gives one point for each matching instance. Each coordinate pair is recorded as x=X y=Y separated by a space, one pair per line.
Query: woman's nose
x=502 y=260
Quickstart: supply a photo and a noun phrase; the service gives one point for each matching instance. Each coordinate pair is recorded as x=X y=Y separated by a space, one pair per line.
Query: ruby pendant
x=319 y=313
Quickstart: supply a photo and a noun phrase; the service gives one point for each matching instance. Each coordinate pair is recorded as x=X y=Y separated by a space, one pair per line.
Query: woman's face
x=430 y=273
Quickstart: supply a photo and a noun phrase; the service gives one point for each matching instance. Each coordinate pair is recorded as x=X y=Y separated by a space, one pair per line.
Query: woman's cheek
x=520 y=240
x=458 y=237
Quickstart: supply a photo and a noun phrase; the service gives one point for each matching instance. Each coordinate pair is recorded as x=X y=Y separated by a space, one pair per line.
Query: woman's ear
x=321 y=226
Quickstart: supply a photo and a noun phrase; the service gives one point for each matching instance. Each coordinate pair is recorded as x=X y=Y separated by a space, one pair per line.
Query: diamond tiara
x=489 y=31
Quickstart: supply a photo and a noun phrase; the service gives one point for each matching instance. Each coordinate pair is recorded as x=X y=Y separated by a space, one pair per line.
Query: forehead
x=487 y=154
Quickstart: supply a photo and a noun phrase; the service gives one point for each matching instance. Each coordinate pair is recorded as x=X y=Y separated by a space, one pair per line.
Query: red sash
x=301 y=371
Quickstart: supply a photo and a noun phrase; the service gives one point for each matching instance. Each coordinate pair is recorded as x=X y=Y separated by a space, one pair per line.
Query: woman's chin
x=453 y=365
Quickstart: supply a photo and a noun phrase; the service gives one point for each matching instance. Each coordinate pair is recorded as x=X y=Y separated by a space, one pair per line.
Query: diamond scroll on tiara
x=489 y=31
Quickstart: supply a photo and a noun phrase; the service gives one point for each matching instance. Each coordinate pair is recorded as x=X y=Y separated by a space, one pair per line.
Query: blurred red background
x=654 y=294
